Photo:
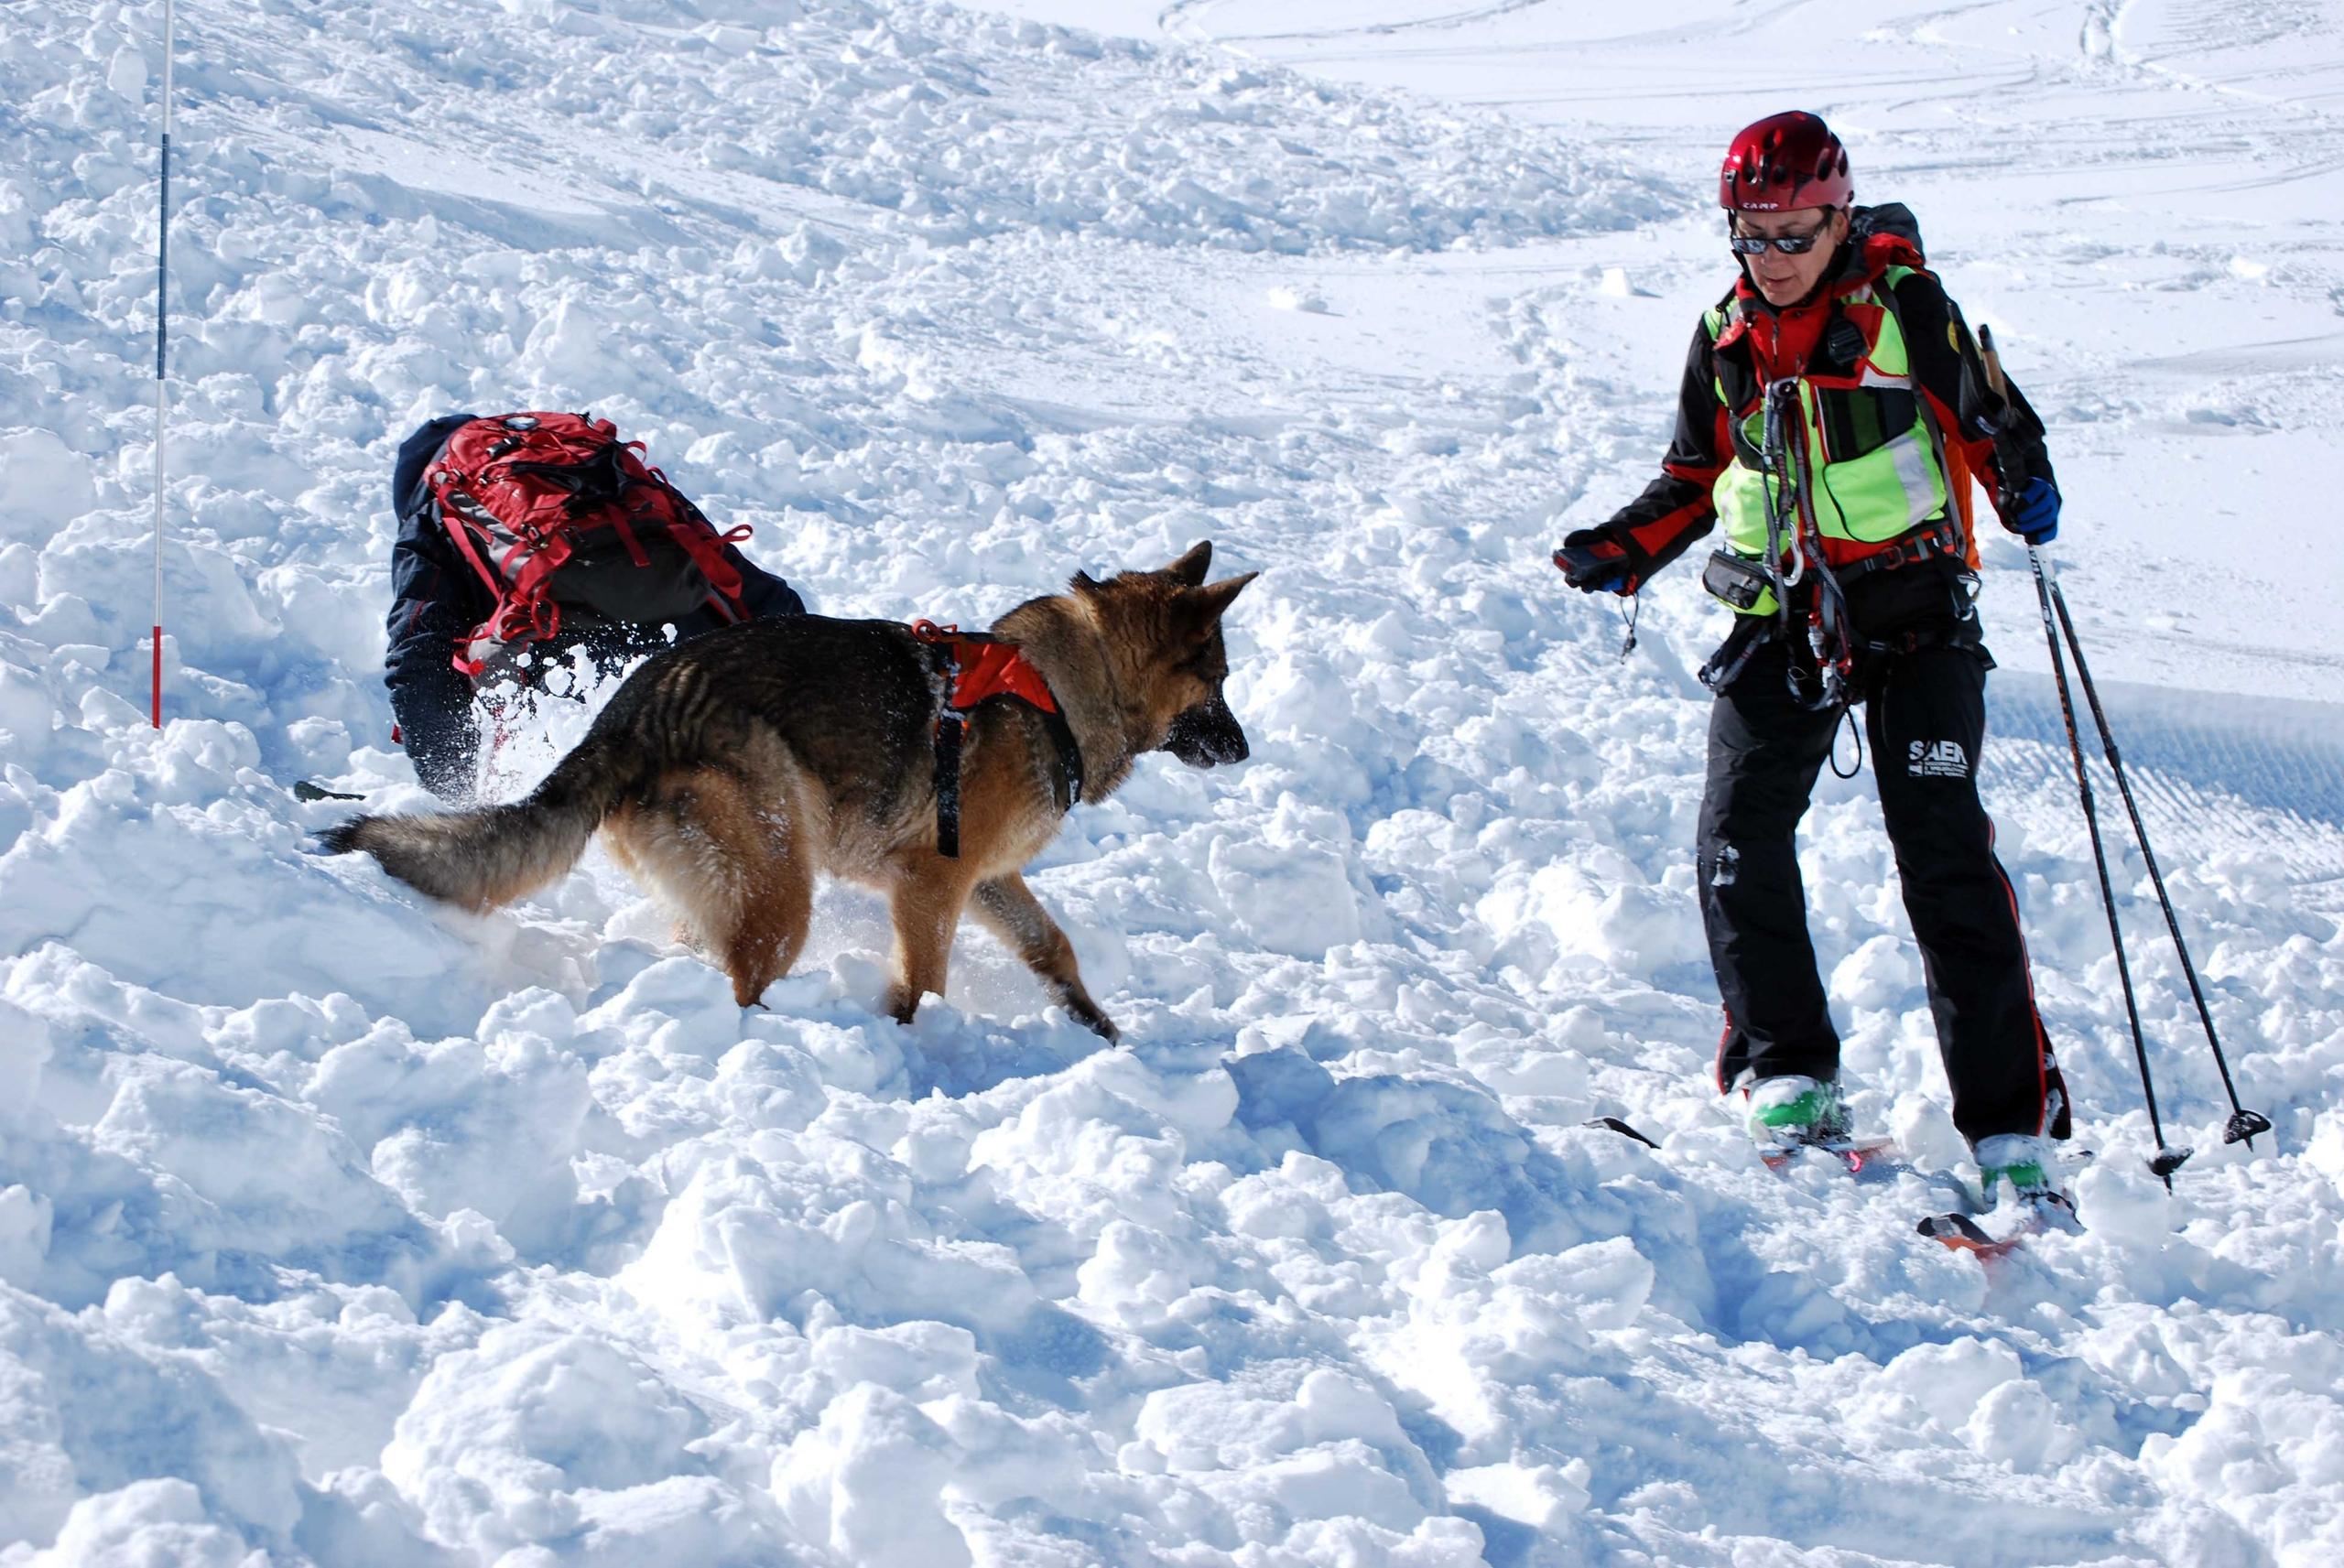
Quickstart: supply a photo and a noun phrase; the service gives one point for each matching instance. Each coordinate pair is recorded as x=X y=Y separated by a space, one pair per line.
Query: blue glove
x=2035 y=517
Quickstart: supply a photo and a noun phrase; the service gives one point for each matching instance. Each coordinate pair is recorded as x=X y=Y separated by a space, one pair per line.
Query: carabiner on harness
x=1792 y=533
x=1783 y=540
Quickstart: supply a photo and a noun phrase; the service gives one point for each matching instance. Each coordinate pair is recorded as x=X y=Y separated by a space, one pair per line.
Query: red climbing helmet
x=1783 y=163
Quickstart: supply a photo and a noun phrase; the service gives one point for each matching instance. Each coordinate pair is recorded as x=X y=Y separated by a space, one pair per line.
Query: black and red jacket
x=1986 y=432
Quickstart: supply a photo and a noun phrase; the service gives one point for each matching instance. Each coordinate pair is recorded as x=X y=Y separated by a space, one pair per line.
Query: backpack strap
x=1950 y=461
x=1733 y=367
x=523 y=608
x=706 y=546
x=517 y=607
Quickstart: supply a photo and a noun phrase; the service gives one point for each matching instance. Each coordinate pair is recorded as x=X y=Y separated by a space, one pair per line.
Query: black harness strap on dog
x=989 y=670
x=1068 y=786
x=949 y=727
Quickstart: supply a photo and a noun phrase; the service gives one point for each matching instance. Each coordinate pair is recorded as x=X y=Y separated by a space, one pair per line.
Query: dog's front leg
x=1011 y=911
x=927 y=906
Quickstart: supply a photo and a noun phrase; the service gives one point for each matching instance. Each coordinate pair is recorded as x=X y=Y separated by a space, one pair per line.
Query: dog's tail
x=494 y=854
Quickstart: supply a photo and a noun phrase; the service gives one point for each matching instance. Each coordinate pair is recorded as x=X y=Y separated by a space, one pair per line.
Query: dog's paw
x=899 y=1003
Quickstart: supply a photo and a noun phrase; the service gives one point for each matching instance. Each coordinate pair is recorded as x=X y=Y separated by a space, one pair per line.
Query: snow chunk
x=44 y=484
x=88 y=1415
x=2013 y=1424
x=2122 y=1203
x=506 y=1442
x=1565 y=913
x=1290 y=890
x=145 y=1522
x=868 y=1484
x=1134 y=1274
x=1544 y=1496
x=1881 y=973
x=1943 y=1382
x=2325 y=1153
x=1334 y=1451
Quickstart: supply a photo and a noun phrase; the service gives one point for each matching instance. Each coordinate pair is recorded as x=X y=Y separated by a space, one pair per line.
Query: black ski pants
x=1925 y=716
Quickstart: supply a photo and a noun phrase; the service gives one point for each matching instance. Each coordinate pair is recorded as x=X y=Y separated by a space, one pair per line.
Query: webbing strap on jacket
x=978 y=668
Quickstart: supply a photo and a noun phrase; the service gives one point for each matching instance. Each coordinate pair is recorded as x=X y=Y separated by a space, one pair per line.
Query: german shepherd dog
x=726 y=771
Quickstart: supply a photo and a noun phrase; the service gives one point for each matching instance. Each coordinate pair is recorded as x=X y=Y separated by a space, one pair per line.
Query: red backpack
x=555 y=513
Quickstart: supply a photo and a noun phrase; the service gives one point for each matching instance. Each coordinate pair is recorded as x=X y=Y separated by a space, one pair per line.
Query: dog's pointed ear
x=1207 y=605
x=1085 y=585
x=1189 y=569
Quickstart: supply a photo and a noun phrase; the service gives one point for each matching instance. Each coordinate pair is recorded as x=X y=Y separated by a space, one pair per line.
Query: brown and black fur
x=726 y=772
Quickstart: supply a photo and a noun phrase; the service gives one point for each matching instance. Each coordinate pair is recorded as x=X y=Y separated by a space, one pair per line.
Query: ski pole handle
x=1996 y=383
x=1993 y=361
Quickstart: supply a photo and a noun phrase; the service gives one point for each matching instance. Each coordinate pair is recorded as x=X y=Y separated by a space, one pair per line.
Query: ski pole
x=2167 y=1160
x=2243 y=1124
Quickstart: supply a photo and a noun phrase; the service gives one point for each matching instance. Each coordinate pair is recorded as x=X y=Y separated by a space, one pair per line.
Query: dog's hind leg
x=1011 y=911
x=768 y=837
x=925 y=908
x=773 y=920
x=731 y=861
x=666 y=845
x=624 y=836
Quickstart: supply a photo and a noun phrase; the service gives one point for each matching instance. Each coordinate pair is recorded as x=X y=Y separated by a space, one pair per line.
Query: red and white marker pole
x=162 y=340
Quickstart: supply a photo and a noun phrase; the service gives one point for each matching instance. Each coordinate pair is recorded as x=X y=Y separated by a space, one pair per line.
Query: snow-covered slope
x=341 y=1229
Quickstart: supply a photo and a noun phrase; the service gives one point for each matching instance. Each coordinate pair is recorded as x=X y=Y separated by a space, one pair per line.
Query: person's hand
x=2034 y=515
x=1592 y=562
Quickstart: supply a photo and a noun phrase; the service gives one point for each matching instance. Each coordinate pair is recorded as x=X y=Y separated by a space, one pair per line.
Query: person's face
x=1787 y=279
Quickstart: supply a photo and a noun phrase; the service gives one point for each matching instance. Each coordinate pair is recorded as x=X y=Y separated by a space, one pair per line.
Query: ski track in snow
x=337 y=1230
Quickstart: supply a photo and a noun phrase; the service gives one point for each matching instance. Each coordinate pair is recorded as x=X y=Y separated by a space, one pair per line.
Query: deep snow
x=337 y=1229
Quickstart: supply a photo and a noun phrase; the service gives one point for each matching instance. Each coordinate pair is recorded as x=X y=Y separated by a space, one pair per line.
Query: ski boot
x=2029 y=1167
x=1795 y=1112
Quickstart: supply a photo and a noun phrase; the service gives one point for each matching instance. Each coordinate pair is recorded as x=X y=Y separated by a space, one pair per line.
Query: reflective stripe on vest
x=1869 y=498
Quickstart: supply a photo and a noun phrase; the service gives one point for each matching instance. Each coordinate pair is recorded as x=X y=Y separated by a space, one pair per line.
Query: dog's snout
x=1207 y=736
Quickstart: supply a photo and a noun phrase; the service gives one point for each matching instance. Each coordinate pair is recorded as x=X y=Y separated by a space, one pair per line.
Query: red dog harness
x=977 y=669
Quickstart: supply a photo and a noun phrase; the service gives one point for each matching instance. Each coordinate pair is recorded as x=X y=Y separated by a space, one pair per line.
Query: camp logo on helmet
x=1783 y=163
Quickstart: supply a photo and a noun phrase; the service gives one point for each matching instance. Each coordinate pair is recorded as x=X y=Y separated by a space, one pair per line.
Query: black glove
x=1592 y=561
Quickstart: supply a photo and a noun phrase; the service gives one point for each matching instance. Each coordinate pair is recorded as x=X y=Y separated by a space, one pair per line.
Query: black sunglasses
x=1789 y=244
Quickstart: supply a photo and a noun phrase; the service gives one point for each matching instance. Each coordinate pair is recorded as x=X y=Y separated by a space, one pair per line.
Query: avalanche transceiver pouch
x=1737 y=580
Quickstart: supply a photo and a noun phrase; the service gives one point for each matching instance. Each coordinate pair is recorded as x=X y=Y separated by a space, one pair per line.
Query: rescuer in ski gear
x=1833 y=409
x=436 y=600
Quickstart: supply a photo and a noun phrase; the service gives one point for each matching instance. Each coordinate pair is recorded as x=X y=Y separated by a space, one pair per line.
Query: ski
x=1613 y=1124
x=1870 y=1160
x=1857 y=1154
x=1960 y=1233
